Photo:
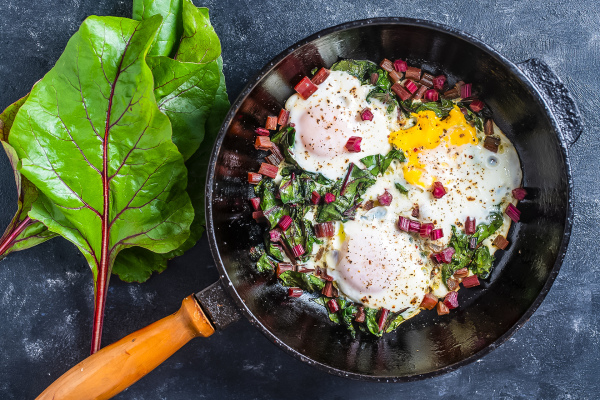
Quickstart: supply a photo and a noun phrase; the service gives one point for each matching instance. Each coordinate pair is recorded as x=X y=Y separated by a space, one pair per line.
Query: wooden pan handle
x=116 y=367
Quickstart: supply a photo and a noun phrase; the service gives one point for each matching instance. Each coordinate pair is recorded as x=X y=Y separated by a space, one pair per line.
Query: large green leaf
x=171 y=28
x=22 y=232
x=194 y=97
x=93 y=141
x=199 y=42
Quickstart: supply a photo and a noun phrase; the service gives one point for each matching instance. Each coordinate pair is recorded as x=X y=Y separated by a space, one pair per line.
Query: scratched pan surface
x=525 y=101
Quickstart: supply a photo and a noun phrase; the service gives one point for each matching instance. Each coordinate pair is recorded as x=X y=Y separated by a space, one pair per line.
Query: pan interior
x=427 y=344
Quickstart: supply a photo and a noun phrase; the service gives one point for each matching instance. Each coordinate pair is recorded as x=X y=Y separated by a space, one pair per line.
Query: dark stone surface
x=46 y=293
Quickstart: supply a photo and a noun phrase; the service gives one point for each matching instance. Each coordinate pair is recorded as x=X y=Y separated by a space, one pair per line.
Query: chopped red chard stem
x=366 y=115
x=438 y=190
x=426 y=229
x=382 y=318
x=305 y=88
x=442 y=309
x=446 y=255
x=268 y=170
x=465 y=90
x=315 y=197
x=436 y=258
x=327 y=289
x=488 y=127
x=500 y=242
x=429 y=301
x=513 y=213
x=284 y=115
x=271 y=123
x=473 y=243
x=451 y=300
x=386 y=65
x=519 y=193
x=360 y=315
x=432 y=95
x=254 y=178
x=346 y=178
x=410 y=86
x=420 y=93
x=282 y=267
x=415 y=212
x=353 y=144
x=427 y=80
x=324 y=229
x=306 y=270
x=491 y=143
x=285 y=222
x=255 y=201
x=369 y=204
x=437 y=234
x=470 y=226
x=320 y=76
x=452 y=284
x=451 y=94
x=275 y=235
x=262 y=143
x=413 y=73
x=403 y=224
x=298 y=250
x=262 y=131
x=414 y=226
x=374 y=78
x=395 y=76
x=461 y=273
x=327 y=277
x=294 y=292
x=476 y=105
x=438 y=82
x=400 y=91
x=333 y=306
x=259 y=216
x=470 y=281
x=329 y=198
x=400 y=66
x=385 y=199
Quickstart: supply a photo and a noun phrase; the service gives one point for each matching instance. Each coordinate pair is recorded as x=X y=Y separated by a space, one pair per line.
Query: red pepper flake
x=500 y=242
x=438 y=82
x=382 y=318
x=400 y=65
x=294 y=292
x=400 y=91
x=470 y=281
x=387 y=65
x=262 y=143
x=442 y=309
x=320 y=76
x=329 y=198
x=305 y=88
x=254 y=178
x=470 y=226
x=271 y=123
x=429 y=301
x=268 y=170
x=491 y=143
x=413 y=73
x=476 y=105
x=284 y=115
x=255 y=201
x=519 y=193
x=262 y=131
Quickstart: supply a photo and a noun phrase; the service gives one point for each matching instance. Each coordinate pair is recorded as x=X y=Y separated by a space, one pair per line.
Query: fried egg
x=371 y=260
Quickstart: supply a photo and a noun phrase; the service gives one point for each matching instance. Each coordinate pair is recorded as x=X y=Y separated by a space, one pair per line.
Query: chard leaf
x=482 y=262
x=265 y=263
x=199 y=43
x=22 y=232
x=361 y=69
x=401 y=188
x=290 y=190
x=441 y=108
x=306 y=282
x=394 y=323
x=171 y=28
x=124 y=182
x=371 y=321
x=378 y=164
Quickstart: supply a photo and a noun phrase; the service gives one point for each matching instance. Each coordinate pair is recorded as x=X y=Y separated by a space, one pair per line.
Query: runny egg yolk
x=428 y=133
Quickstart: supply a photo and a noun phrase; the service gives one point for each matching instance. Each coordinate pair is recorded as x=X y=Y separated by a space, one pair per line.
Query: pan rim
x=400 y=21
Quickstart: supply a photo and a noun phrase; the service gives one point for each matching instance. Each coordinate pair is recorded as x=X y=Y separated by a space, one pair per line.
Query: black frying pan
x=529 y=104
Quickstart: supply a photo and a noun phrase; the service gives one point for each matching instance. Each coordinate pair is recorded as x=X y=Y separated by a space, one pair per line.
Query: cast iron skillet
x=529 y=104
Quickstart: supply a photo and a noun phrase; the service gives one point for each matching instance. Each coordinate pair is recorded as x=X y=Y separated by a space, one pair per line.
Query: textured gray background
x=46 y=293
